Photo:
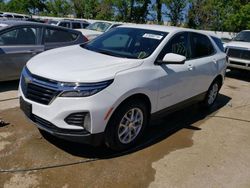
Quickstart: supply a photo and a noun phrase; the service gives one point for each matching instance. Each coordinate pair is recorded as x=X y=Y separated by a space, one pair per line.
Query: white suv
x=238 y=51
x=106 y=90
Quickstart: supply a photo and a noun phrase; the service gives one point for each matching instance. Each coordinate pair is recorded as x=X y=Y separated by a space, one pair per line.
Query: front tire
x=126 y=125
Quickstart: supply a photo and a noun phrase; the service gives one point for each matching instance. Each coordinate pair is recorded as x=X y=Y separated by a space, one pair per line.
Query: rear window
x=59 y=36
x=76 y=25
x=218 y=43
x=64 y=24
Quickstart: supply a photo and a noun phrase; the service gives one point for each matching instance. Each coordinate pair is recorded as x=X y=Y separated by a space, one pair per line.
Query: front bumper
x=80 y=136
x=239 y=63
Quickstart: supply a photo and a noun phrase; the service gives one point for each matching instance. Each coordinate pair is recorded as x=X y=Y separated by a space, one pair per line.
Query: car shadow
x=239 y=74
x=158 y=130
x=9 y=85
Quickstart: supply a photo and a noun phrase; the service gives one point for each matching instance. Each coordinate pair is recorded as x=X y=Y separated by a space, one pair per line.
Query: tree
x=159 y=10
x=175 y=10
x=105 y=10
x=219 y=15
x=131 y=10
x=59 y=7
x=79 y=8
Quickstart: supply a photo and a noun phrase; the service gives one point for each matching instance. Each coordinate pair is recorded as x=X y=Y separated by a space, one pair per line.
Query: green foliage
x=59 y=7
x=175 y=10
x=219 y=15
x=105 y=10
x=131 y=10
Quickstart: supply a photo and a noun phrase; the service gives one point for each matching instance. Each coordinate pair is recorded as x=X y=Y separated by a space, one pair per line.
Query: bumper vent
x=49 y=126
x=76 y=119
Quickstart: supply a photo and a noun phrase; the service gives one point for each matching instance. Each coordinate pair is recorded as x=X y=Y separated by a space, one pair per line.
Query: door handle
x=215 y=61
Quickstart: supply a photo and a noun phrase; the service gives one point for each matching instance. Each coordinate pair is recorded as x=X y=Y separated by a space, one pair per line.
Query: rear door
x=17 y=46
x=203 y=62
x=58 y=37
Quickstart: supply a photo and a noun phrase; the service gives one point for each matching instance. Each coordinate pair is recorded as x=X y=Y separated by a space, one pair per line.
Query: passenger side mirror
x=172 y=58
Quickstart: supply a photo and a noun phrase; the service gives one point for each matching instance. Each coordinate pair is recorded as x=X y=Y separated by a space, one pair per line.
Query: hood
x=87 y=32
x=238 y=44
x=76 y=64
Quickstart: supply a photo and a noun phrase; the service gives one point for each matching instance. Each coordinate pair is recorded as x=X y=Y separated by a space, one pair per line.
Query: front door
x=17 y=46
x=175 y=80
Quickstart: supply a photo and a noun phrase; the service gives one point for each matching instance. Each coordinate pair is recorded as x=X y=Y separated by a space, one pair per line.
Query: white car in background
x=106 y=90
x=238 y=51
x=97 y=28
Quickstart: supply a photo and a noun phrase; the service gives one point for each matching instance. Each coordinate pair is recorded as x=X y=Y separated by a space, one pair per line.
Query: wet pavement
x=190 y=148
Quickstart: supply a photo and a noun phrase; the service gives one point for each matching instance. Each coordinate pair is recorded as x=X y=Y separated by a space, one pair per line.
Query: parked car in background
x=68 y=23
x=109 y=87
x=238 y=51
x=13 y=15
x=20 y=41
x=97 y=28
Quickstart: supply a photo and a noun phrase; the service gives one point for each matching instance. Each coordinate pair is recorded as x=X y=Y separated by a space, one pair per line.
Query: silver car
x=20 y=41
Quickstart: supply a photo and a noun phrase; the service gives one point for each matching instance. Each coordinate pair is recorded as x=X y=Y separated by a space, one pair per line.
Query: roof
x=14 y=22
x=163 y=28
x=10 y=23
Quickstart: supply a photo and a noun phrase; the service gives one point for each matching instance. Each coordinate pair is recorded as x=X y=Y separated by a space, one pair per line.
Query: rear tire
x=126 y=125
x=212 y=94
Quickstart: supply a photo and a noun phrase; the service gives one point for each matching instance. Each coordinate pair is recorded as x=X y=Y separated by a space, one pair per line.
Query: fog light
x=87 y=122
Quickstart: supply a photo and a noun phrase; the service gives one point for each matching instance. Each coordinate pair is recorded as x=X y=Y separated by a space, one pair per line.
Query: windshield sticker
x=152 y=36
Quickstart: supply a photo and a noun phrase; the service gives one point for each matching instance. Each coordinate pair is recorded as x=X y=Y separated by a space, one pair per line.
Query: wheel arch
x=137 y=96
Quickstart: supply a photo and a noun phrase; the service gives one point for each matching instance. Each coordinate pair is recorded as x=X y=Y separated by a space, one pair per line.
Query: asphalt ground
x=189 y=148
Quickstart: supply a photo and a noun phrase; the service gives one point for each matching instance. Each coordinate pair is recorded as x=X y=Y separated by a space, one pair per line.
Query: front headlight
x=83 y=89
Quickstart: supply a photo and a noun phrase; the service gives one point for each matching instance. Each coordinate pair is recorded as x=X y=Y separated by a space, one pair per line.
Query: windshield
x=127 y=42
x=99 y=26
x=243 y=36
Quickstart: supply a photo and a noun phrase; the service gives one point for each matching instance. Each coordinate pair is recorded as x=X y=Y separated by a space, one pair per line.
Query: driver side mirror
x=172 y=58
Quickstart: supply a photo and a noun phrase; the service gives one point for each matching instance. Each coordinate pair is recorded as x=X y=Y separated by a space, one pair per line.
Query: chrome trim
x=60 y=87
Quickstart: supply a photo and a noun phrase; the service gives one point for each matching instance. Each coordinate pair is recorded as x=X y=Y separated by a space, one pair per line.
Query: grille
x=76 y=119
x=238 y=63
x=40 y=94
x=237 y=53
x=46 y=124
x=38 y=89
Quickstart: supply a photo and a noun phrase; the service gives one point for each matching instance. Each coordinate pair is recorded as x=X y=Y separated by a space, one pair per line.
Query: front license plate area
x=26 y=107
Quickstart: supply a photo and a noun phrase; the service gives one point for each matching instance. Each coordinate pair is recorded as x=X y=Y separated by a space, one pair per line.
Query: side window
x=116 y=41
x=177 y=45
x=57 y=36
x=218 y=42
x=201 y=46
x=20 y=36
x=76 y=25
x=64 y=24
x=84 y=25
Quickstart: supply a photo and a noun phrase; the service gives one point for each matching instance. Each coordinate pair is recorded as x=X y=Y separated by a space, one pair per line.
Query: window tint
x=20 y=36
x=84 y=25
x=17 y=16
x=116 y=41
x=76 y=25
x=218 y=43
x=64 y=24
x=56 y=35
x=177 y=45
x=201 y=45
x=127 y=42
